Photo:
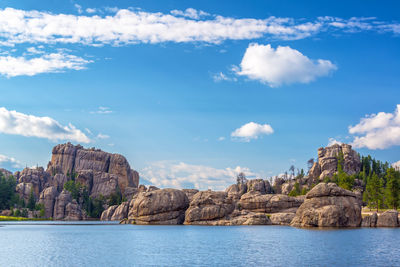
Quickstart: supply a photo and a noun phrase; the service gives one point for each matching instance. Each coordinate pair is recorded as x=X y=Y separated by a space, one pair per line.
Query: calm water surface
x=99 y=244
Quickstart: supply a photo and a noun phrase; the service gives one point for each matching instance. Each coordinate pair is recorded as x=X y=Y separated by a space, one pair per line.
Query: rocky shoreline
x=101 y=175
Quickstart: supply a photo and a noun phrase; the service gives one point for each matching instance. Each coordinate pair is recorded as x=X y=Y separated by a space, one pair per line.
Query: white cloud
x=190 y=13
x=396 y=165
x=56 y=62
x=91 y=10
x=182 y=175
x=129 y=26
x=102 y=110
x=221 y=138
x=9 y=162
x=252 y=130
x=13 y=122
x=78 y=8
x=282 y=65
x=333 y=141
x=102 y=136
x=377 y=131
x=34 y=50
x=222 y=77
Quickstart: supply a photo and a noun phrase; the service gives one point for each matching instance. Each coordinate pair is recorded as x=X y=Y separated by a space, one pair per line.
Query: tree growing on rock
x=392 y=191
x=373 y=194
x=241 y=178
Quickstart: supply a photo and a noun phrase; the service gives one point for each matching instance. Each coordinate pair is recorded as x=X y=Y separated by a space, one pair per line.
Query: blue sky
x=193 y=92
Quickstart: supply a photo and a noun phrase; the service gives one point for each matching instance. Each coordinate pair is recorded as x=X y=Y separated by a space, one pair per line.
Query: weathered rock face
x=61 y=202
x=48 y=199
x=59 y=180
x=190 y=193
x=24 y=190
x=242 y=217
x=278 y=182
x=104 y=184
x=107 y=214
x=73 y=212
x=388 y=219
x=328 y=160
x=256 y=202
x=164 y=206
x=208 y=206
x=36 y=176
x=370 y=220
x=121 y=212
x=70 y=160
x=235 y=191
x=5 y=172
x=328 y=205
x=282 y=218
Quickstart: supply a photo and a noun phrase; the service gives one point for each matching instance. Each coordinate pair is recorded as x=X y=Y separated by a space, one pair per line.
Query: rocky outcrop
x=107 y=214
x=164 y=206
x=190 y=193
x=282 y=218
x=388 y=219
x=269 y=203
x=61 y=202
x=35 y=176
x=24 y=190
x=104 y=184
x=73 y=212
x=5 y=172
x=48 y=198
x=328 y=205
x=121 y=212
x=237 y=217
x=328 y=160
x=207 y=206
x=73 y=160
x=235 y=191
x=370 y=220
x=59 y=180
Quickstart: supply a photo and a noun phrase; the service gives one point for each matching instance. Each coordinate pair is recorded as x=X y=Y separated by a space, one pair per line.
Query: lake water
x=100 y=244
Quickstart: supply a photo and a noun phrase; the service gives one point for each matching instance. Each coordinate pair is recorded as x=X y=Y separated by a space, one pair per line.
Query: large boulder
x=164 y=206
x=370 y=220
x=241 y=217
x=282 y=218
x=121 y=212
x=24 y=190
x=107 y=214
x=72 y=160
x=388 y=219
x=190 y=193
x=48 y=199
x=61 y=202
x=328 y=205
x=269 y=203
x=73 y=212
x=207 y=206
x=235 y=191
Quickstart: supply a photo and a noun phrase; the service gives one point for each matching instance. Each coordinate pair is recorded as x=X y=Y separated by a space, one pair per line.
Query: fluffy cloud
x=182 y=175
x=190 y=13
x=282 y=65
x=252 y=130
x=396 y=165
x=9 y=162
x=333 y=141
x=56 y=62
x=13 y=122
x=217 y=77
x=129 y=26
x=377 y=131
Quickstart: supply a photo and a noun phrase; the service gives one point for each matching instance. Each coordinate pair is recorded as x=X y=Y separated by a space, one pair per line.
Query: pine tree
x=374 y=192
x=31 y=202
x=392 y=192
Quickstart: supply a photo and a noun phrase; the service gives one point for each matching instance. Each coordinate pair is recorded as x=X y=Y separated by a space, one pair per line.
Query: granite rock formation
x=328 y=205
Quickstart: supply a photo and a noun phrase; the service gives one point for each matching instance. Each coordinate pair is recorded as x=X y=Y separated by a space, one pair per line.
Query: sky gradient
x=194 y=92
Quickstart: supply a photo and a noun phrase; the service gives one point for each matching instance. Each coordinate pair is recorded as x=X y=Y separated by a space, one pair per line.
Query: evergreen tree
x=31 y=201
x=374 y=192
x=392 y=191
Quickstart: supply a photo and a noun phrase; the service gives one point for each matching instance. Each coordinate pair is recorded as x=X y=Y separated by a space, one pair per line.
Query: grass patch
x=12 y=218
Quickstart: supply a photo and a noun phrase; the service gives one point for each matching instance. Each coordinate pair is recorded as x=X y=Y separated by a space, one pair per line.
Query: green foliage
x=7 y=191
x=96 y=206
x=24 y=213
x=392 y=191
x=31 y=201
x=295 y=191
x=373 y=194
x=304 y=191
x=115 y=198
x=74 y=188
